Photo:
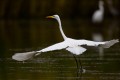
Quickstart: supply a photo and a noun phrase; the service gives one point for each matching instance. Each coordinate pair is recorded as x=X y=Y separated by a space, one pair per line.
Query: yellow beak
x=50 y=17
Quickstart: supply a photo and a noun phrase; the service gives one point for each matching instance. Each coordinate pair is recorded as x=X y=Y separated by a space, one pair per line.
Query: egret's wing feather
x=76 y=50
x=57 y=46
x=109 y=43
x=89 y=43
x=23 y=56
x=105 y=44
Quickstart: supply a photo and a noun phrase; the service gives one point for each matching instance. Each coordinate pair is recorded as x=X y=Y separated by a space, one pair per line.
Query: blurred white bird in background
x=99 y=14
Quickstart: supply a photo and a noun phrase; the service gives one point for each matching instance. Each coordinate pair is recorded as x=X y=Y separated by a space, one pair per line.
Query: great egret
x=72 y=45
x=99 y=14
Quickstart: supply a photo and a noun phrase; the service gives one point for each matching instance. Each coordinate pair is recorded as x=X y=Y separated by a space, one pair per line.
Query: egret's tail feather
x=110 y=43
x=23 y=56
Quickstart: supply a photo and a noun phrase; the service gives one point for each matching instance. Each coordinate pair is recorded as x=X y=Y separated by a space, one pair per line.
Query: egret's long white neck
x=101 y=7
x=60 y=27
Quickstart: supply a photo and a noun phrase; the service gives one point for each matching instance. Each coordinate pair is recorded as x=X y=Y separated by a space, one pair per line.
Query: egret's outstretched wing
x=57 y=46
x=27 y=55
x=105 y=44
x=23 y=56
x=109 y=43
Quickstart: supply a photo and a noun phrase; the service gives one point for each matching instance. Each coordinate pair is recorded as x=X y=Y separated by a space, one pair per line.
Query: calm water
x=28 y=35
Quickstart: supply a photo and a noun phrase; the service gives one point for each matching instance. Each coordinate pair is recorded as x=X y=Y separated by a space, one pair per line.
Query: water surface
x=28 y=35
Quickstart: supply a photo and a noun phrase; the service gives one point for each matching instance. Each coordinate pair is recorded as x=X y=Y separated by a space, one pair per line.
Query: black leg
x=79 y=67
x=76 y=64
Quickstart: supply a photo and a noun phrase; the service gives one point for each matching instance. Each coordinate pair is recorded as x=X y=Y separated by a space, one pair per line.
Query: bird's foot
x=82 y=70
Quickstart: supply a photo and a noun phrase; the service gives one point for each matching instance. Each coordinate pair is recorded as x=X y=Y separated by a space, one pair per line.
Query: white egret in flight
x=99 y=14
x=72 y=45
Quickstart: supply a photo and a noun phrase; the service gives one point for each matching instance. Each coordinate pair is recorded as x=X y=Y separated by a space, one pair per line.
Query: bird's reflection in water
x=98 y=37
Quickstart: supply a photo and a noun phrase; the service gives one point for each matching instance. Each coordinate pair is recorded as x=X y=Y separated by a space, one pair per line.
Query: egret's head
x=53 y=16
x=101 y=2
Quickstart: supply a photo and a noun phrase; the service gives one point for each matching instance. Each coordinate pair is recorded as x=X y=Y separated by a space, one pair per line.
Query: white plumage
x=76 y=50
x=23 y=56
x=99 y=14
x=71 y=45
